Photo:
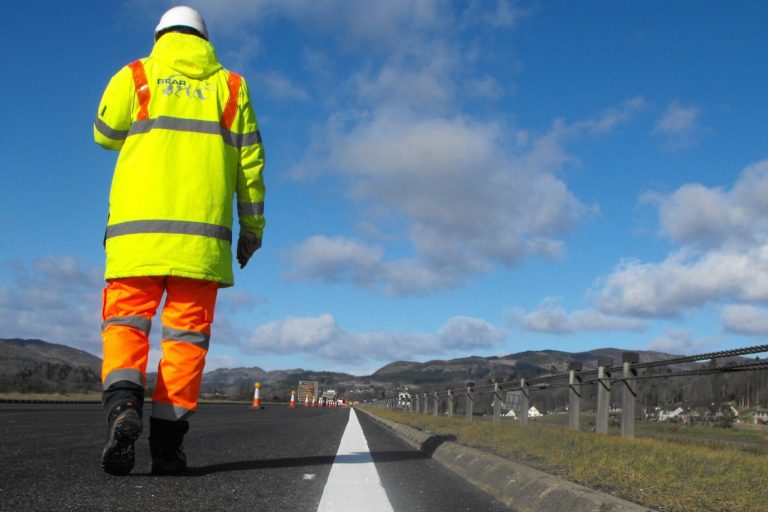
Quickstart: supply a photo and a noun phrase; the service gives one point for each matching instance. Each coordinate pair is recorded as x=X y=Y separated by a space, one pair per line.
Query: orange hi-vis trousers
x=129 y=304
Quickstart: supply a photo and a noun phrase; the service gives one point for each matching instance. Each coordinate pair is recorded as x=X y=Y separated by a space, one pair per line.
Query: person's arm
x=114 y=115
x=250 y=181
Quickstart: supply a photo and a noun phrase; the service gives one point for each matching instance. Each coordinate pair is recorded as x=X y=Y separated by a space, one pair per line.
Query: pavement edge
x=515 y=485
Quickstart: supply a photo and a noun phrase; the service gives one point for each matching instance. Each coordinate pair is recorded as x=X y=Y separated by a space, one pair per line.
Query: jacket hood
x=191 y=55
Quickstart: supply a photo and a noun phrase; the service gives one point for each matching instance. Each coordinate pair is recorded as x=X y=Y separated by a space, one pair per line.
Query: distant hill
x=42 y=367
x=486 y=369
x=39 y=366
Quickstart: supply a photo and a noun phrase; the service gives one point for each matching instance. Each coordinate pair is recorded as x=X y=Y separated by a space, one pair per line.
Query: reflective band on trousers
x=164 y=411
x=171 y=227
x=137 y=322
x=196 y=126
x=197 y=338
x=250 y=208
x=129 y=374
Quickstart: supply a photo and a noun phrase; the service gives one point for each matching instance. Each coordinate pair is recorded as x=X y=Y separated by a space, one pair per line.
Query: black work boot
x=165 y=446
x=118 y=455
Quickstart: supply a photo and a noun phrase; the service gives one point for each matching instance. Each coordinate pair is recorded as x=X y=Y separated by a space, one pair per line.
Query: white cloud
x=469 y=200
x=385 y=25
x=292 y=335
x=723 y=256
x=684 y=281
x=712 y=217
x=502 y=14
x=58 y=300
x=678 y=342
x=213 y=362
x=694 y=214
x=279 y=86
x=326 y=259
x=53 y=299
x=551 y=318
x=745 y=319
x=466 y=198
x=679 y=126
x=466 y=333
x=485 y=87
x=323 y=337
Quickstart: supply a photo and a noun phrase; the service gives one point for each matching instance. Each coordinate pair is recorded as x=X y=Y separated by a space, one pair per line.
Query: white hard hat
x=182 y=16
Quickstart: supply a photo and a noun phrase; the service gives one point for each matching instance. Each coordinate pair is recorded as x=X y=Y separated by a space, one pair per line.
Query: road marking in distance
x=353 y=483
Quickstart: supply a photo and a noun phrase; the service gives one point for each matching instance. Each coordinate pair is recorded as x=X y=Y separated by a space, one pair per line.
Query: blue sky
x=444 y=178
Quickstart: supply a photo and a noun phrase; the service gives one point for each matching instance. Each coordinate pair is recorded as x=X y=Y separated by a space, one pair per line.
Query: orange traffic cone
x=306 y=401
x=293 y=399
x=314 y=403
x=256 y=399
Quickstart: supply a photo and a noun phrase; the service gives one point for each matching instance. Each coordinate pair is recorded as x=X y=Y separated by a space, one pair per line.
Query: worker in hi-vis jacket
x=188 y=143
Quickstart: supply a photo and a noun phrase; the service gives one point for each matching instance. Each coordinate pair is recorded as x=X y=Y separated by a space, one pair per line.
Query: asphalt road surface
x=273 y=459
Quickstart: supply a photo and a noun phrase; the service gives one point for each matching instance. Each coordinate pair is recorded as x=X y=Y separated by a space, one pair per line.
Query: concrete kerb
x=515 y=485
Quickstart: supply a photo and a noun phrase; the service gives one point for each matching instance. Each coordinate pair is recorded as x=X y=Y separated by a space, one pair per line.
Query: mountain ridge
x=42 y=363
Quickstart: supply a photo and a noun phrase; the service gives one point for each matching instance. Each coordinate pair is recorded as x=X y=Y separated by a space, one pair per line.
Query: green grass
x=747 y=437
x=685 y=476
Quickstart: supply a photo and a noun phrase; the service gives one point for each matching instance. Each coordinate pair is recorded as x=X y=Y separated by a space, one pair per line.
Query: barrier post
x=629 y=397
x=436 y=409
x=450 y=403
x=416 y=405
x=574 y=394
x=603 y=394
x=496 y=402
x=470 y=401
x=525 y=402
x=426 y=404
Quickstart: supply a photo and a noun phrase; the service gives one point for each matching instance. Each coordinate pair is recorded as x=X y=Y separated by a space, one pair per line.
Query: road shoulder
x=514 y=484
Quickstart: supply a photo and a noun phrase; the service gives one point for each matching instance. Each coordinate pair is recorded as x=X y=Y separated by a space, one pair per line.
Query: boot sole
x=118 y=456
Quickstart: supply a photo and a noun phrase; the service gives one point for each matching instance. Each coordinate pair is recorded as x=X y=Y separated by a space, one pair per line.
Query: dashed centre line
x=353 y=483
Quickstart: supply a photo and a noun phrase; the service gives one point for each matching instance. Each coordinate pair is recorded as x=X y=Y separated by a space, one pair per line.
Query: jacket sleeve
x=114 y=115
x=250 y=180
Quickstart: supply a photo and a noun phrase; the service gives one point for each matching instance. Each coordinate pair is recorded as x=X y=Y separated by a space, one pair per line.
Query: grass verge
x=667 y=476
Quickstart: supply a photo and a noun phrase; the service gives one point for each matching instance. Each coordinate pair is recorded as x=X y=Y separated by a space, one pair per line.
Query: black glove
x=247 y=244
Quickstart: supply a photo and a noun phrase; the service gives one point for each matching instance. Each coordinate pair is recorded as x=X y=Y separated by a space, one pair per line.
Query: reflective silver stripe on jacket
x=241 y=140
x=138 y=322
x=129 y=374
x=250 y=208
x=172 y=227
x=237 y=140
x=197 y=338
x=108 y=131
x=164 y=411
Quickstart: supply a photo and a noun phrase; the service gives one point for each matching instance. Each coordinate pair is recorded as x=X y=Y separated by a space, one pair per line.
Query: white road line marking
x=353 y=483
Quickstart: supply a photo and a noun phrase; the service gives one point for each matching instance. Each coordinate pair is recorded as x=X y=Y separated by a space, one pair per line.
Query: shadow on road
x=321 y=460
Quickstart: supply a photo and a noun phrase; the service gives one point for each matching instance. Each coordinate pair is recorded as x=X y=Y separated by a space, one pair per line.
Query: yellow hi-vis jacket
x=188 y=141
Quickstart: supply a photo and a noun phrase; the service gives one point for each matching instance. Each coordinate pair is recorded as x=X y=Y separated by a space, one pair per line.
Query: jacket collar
x=187 y=54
